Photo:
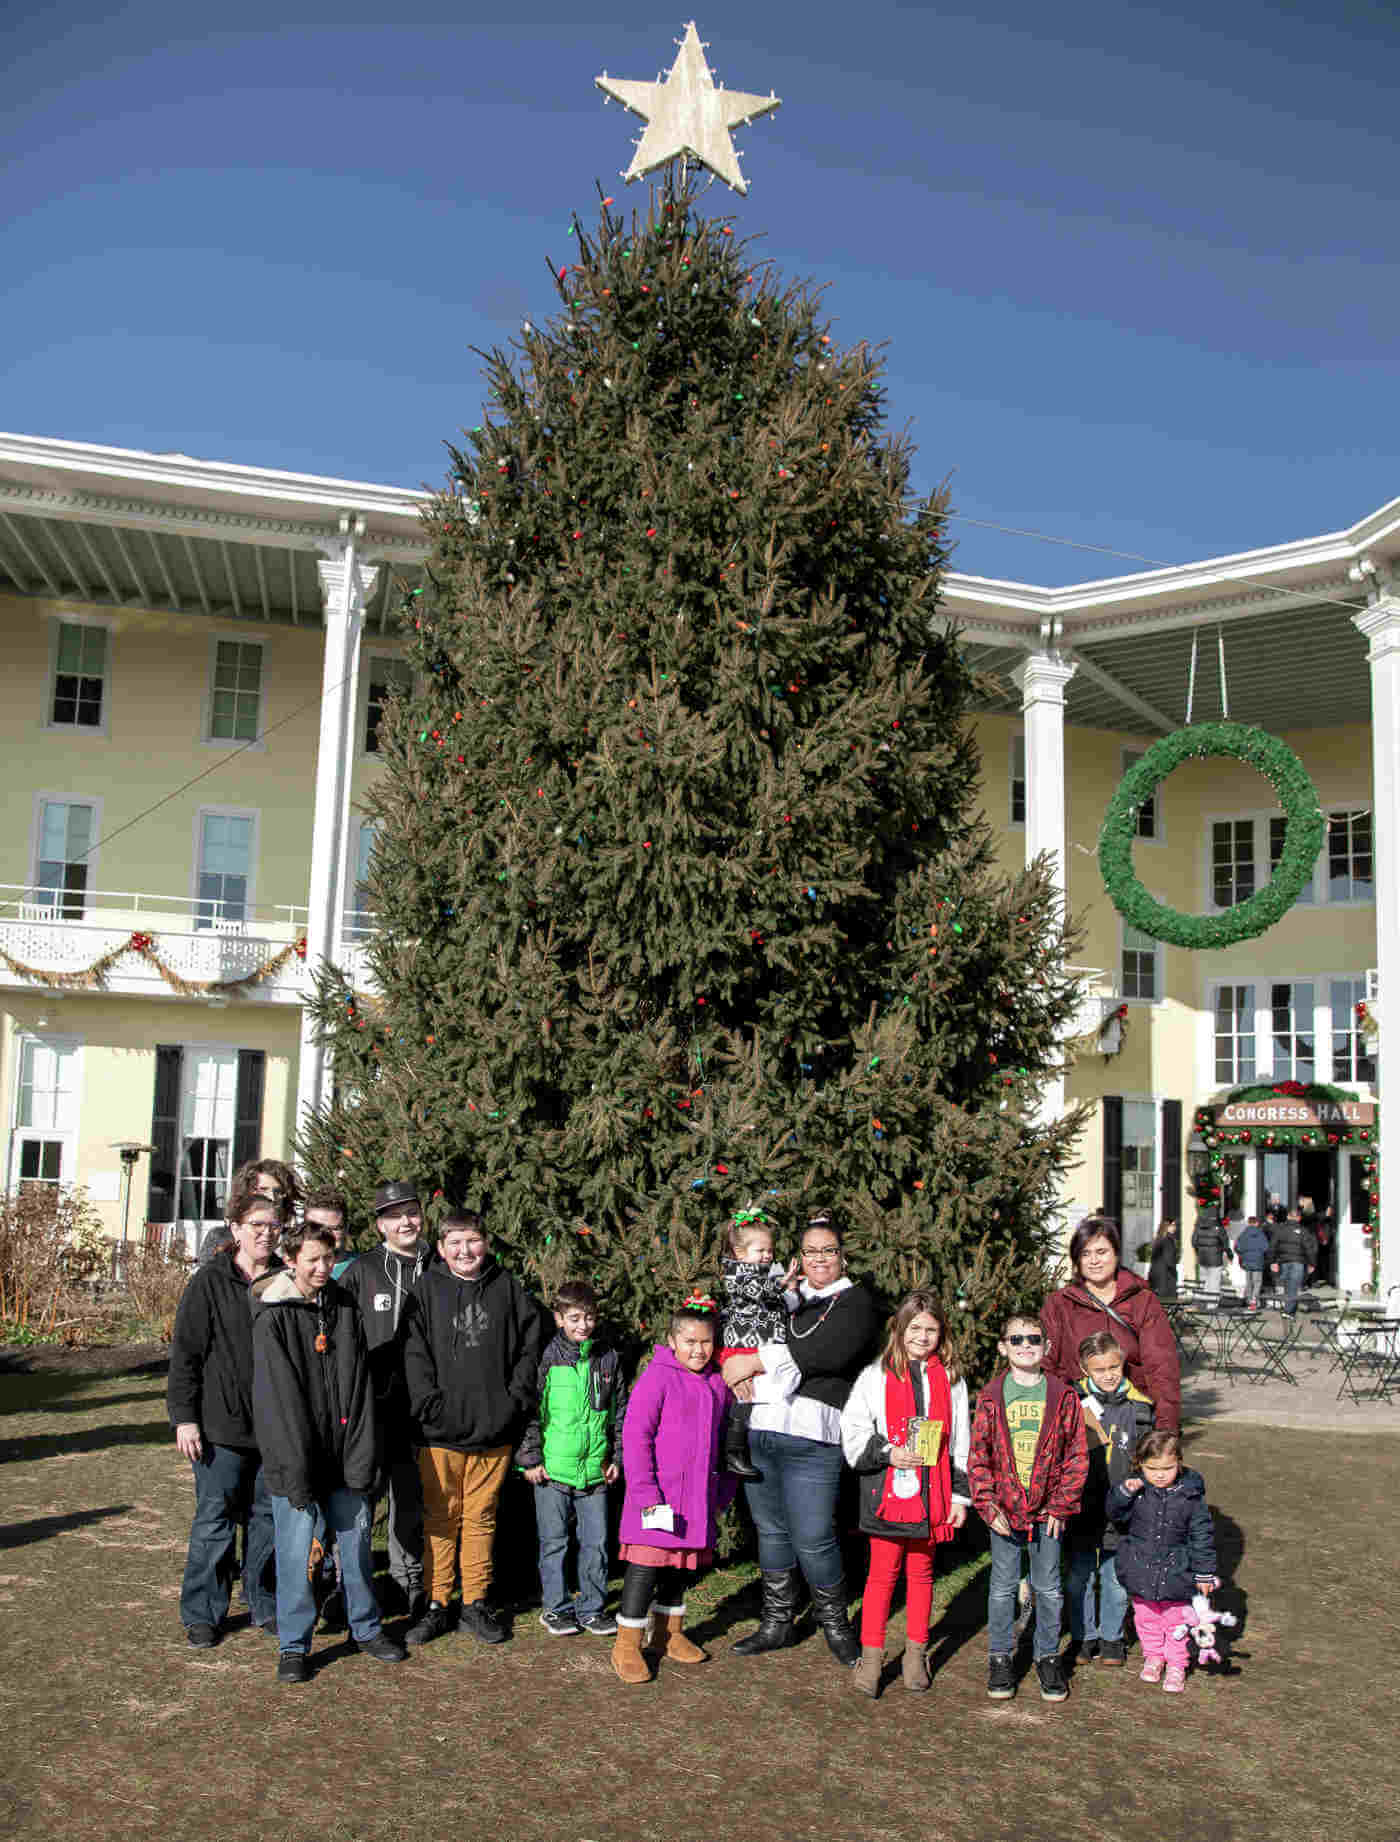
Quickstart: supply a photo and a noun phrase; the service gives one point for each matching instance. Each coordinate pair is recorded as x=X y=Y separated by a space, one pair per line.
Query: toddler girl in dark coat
x=1166 y=1552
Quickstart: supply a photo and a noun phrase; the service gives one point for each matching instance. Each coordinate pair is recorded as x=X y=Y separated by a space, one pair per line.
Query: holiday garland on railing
x=92 y=978
x=1094 y=1039
x=1220 y=1140
x=1256 y=748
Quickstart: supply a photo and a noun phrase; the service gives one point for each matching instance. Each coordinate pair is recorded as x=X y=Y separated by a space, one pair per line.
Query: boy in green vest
x=569 y=1453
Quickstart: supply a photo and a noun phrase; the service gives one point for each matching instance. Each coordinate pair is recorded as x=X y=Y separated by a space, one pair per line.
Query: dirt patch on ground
x=113 y=1724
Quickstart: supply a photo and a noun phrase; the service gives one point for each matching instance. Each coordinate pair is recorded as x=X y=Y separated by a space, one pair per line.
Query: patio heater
x=128 y=1150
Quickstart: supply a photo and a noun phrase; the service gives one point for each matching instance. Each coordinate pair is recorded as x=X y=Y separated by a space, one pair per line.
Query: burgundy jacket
x=1059 y=1469
x=1144 y=1336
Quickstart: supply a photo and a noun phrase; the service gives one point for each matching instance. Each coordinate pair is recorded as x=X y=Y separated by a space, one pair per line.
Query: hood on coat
x=280 y=1288
x=663 y=1354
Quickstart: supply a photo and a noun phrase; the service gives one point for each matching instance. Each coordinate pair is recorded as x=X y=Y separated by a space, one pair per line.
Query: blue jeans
x=794 y=1505
x=348 y=1518
x=1085 y=1565
x=228 y=1491
x=1044 y=1552
x=555 y=1509
x=1291 y=1273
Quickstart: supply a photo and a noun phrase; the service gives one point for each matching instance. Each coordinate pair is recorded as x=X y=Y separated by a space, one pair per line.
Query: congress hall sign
x=1297 y=1113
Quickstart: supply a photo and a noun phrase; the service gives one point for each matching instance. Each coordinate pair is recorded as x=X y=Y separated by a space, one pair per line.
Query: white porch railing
x=1098 y=997
x=199 y=941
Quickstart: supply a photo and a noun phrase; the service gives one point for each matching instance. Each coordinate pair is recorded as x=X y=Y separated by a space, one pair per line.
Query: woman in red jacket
x=1101 y=1296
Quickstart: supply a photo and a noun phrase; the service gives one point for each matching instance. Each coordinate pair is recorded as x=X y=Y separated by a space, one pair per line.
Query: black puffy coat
x=313 y=1405
x=211 y=1355
x=1167 y=1539
x=1210 y=1240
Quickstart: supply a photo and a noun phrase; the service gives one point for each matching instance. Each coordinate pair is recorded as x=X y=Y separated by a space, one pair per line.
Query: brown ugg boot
x=916 y=1672
x=629 y=1665
x=865 y=1677
x=669 y=1639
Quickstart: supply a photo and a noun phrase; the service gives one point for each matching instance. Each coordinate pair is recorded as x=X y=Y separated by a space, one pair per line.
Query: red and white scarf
x=934 y=1496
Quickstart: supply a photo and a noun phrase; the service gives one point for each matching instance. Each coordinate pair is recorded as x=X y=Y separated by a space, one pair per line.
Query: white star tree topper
x=688 y=114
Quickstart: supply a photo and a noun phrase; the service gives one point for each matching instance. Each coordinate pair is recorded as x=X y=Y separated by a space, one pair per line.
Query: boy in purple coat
x=672 y=1453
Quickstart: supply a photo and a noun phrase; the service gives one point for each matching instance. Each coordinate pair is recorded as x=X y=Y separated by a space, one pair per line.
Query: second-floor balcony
x=128 y=942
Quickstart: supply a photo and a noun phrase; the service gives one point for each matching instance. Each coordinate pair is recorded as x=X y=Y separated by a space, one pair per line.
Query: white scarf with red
x=898 y=1502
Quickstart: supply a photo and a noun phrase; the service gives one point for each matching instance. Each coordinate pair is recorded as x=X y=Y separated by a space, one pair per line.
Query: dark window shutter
x=247 y=1112
x=1171 y=1160
x=1113 y=1156
x=165 y=1135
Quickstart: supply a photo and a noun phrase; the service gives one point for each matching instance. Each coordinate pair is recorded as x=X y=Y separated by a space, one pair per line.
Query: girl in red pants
x=905 y=1429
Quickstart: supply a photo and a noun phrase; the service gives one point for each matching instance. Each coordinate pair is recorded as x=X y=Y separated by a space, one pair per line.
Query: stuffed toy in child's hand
x=1202 y=1621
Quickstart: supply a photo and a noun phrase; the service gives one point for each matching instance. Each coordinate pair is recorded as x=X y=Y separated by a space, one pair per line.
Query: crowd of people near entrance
x=1288 y=1249
x=310 y=1386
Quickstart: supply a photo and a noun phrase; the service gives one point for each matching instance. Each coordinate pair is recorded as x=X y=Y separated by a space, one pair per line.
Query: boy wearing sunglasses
x=1026 y=1470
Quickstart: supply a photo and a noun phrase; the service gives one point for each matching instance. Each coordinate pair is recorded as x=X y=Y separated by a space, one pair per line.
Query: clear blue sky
x=1136 y=266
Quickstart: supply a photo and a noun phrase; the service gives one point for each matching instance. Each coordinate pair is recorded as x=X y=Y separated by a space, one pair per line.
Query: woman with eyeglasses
x=798 y=1389
x=1101 y=1295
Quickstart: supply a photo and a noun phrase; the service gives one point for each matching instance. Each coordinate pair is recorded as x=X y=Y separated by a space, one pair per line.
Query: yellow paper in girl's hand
x=926 y=1438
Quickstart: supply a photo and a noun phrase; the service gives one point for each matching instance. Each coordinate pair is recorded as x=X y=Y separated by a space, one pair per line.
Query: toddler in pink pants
x=1166 y=1551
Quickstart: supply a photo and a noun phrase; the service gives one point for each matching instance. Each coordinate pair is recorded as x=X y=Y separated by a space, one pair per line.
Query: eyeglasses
x=1029 y=1339
x=821 y=1253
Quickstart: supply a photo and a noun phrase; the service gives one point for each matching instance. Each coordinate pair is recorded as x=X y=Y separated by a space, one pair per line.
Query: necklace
x=794 y=1333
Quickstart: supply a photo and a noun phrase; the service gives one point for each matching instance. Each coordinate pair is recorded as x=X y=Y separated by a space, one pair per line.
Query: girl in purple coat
x=672 y=1455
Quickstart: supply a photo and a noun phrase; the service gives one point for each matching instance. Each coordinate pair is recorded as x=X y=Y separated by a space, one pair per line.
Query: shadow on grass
x=93 y=1439
x=42 y=1528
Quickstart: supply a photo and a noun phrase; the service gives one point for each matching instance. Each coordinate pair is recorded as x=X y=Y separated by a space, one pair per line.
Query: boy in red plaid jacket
x=1026 y=1470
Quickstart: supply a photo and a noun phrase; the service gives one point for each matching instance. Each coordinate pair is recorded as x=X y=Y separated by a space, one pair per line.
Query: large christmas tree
x=686 y=902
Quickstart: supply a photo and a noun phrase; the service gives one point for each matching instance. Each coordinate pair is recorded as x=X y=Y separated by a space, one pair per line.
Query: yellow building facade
x=197 y=654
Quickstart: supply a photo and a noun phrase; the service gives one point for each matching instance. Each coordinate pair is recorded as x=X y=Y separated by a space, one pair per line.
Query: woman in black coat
x=1165 y=1257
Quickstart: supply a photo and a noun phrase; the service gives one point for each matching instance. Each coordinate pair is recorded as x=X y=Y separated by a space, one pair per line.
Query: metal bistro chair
x=1188 y=1327
x=1374 y=1352
x=1273 y=1348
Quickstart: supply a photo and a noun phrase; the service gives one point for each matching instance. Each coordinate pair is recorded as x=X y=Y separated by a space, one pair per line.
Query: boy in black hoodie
x=313 y=1413
x=471 y=1352
x=1116 y=1415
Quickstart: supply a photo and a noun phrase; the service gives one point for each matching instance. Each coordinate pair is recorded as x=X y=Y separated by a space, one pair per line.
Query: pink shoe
x=1152 y=1668
x=1176 y=1680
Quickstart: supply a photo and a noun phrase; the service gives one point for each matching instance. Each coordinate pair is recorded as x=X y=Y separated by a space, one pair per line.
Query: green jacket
x=582 y=1398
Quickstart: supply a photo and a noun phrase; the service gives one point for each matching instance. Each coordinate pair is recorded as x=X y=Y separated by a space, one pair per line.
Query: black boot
x=736 y=1449
x=779 y=1609
x=829 y=1610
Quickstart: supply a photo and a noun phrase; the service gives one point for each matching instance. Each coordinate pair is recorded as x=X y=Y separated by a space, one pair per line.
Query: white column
x=1381 y=626
x=1042 y=679
x=346 y=584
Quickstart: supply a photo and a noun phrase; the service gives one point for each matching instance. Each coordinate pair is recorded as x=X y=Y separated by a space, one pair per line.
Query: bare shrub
x=50 y=1240
x=155 y=1277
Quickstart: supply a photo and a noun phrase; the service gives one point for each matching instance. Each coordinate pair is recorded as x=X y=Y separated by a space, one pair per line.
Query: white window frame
x=225 y=812
x=1159 y=969
x=1233 y=984
x=1321 y=880
x=1270 y=1070
x=1129 y=756
x=1324 y=981
x=189 y=1226
x=241 y=637
x=1017 y=740
x=1154 y=1102
x=379 y=655
x=68 y=1138
x=100 y=731
x=1323 y=868
x=355 y=932
x=36 y=823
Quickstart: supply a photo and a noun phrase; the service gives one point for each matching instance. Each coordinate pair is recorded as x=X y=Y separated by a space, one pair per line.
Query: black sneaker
x=268 y=1627
x=201 y=1637
x=383 y=1649
x=1112 y=1651
x=1088 y=1649
x=561 y=1624
x=601 y=1624
x=480 y=1620
x=432 y=1624
x=1053 y=1686
x=1001 y=1678
x=292 y=1666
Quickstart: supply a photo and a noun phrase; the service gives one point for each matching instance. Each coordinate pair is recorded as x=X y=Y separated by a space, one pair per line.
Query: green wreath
x=1301 y=843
